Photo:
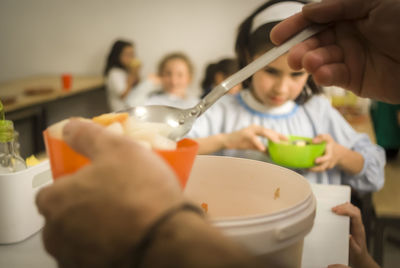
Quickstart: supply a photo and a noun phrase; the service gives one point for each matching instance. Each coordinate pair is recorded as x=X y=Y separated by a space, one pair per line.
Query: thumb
x=258 y=144
x=287 y=28
x=354 y=247
x=271 y=135
x=89 y=139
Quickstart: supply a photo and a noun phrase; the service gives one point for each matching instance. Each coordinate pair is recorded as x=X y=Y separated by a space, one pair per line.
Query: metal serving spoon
x=181 y=120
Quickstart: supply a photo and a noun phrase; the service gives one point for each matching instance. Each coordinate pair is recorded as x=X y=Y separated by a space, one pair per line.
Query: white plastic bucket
x=243 y=201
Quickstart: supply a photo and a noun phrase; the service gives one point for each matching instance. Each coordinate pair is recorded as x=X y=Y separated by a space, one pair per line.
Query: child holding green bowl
x=279 y=101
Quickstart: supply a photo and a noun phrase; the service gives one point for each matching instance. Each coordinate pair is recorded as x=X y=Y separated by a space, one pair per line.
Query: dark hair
x=172 y=56
x=250 y=44
x=113 y=59
x=225 y=66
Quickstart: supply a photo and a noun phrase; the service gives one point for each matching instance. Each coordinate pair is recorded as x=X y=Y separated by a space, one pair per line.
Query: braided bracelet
x=148 y=238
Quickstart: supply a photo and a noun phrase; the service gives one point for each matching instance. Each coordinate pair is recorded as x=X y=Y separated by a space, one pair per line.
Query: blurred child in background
x=217 y=72
x=176 y=72
x=121 y=73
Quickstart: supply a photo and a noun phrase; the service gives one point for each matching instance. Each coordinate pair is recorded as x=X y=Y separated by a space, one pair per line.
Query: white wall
x=55 y=36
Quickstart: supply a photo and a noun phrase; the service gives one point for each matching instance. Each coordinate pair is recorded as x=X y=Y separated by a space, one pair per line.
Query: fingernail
x=67 y=127
x=311 y=5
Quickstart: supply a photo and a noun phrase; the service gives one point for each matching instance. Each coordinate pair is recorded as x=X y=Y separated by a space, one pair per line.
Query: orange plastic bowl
x=181 y=160
x=64 y=160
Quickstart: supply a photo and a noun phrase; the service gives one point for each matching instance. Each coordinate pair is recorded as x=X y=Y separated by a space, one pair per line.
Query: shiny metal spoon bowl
x=182 y=120
x=179 y=120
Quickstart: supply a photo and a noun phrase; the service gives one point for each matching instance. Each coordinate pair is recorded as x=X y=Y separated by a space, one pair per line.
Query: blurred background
x=56 y=36
x=43 y=39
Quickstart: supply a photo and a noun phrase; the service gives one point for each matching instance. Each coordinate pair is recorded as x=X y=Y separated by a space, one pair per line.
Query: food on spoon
x=155 y=134
x=116 y=128
x=108 y=119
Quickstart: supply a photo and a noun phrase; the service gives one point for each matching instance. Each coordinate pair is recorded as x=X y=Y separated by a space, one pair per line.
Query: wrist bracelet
x=149 y=236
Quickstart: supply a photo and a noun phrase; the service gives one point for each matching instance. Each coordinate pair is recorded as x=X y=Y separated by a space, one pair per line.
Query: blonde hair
x=173 y=56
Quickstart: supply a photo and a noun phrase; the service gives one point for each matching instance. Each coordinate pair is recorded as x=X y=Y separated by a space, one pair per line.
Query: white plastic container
x=19 y=217
x=244 y=202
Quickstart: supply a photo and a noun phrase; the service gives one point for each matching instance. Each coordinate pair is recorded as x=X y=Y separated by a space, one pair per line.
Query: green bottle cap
x=6 y=130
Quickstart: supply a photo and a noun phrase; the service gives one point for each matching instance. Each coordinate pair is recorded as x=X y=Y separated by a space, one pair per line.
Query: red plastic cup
x=64 y=160
x=66 y=81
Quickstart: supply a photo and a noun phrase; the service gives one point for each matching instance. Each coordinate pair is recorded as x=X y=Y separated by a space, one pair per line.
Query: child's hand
x=331 y=156
x=359 y=256
x=248 y=138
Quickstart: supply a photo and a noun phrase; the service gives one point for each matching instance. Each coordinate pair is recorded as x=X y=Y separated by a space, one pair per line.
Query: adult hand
x=95 y=217
x=249 y=138
x=359 y=52
x=358 y=255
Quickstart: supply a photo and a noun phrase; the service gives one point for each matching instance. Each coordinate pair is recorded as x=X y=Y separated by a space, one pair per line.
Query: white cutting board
x=328 y=241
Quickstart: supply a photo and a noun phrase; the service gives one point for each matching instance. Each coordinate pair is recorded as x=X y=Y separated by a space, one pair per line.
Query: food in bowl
x=298 y=152
x=300 y=142
x=179 y=155
x=150 y=135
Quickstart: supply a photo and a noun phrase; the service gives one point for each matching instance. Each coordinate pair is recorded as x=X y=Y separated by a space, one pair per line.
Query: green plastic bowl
x=292 y=155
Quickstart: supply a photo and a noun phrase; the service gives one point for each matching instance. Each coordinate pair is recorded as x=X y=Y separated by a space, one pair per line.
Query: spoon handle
x=241 y=75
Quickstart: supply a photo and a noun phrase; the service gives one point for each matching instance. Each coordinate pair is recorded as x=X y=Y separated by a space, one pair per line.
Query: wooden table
x=33 y=113
x=17 y=89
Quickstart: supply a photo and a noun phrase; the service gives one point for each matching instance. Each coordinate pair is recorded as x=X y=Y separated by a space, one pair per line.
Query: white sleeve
x=116 y=82
x=140 y=93
x=371 y=177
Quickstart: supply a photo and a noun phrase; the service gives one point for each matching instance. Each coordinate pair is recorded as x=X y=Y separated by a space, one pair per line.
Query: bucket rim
x=266 y=218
